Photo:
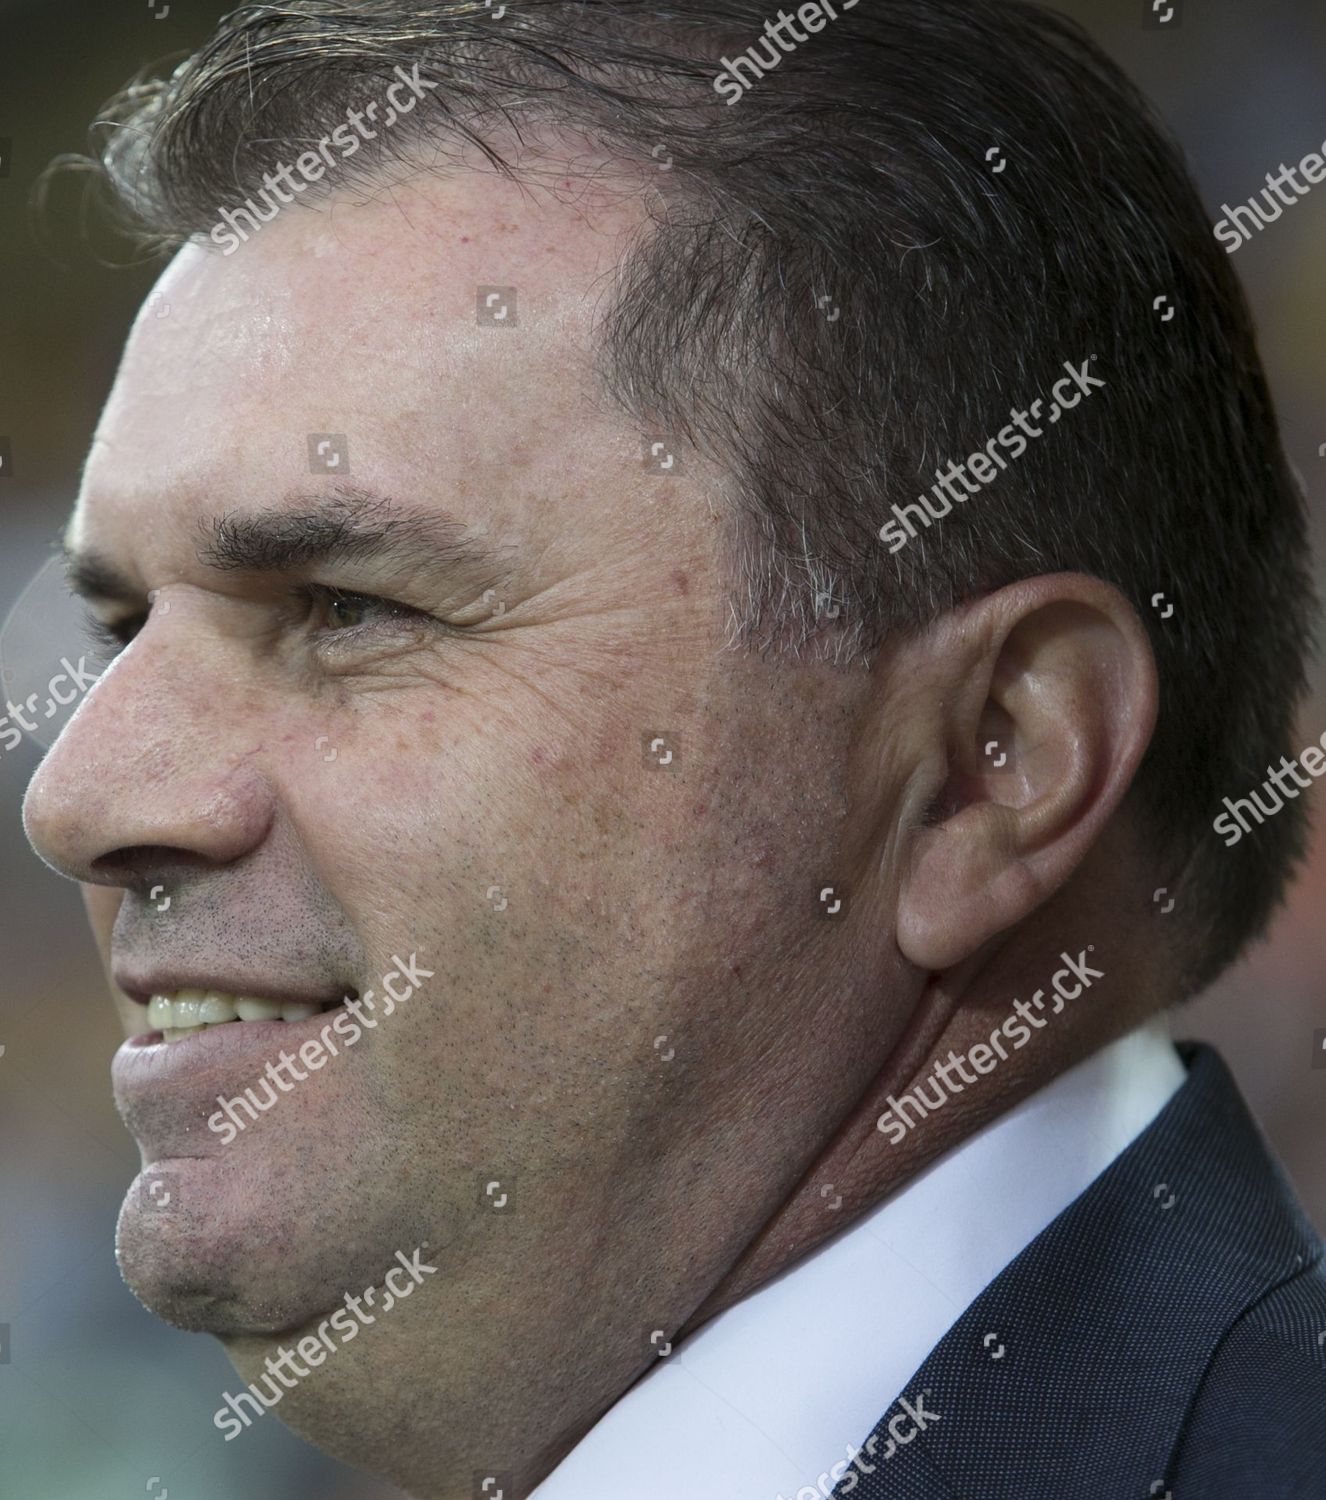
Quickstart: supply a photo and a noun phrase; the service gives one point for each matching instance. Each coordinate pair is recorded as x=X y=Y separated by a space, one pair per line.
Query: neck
x=860 y=1166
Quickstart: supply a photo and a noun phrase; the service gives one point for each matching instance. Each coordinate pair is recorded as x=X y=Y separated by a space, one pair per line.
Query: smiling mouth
x=181 y=1013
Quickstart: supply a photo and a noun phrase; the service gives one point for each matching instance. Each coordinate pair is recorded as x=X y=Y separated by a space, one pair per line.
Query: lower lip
x=236 y=1048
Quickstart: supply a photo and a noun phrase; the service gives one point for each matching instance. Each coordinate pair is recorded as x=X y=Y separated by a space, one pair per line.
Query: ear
x=1042 y=701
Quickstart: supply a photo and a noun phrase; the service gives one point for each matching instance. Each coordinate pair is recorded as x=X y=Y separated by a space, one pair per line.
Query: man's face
x=635 y=1018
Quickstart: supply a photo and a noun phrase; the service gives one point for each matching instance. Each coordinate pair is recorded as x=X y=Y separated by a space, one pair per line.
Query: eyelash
x=114 y=638
x=110 y=640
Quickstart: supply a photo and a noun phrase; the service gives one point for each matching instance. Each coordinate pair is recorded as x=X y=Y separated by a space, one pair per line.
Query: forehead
x=371 y=323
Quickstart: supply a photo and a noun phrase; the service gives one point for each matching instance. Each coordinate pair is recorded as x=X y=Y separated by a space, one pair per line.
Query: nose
x=151 y=769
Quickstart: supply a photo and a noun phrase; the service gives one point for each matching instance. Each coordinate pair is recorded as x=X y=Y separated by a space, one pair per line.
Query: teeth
x=257 y=1010
x=217 y=1008
x=188 y=1011
x=173 y=1033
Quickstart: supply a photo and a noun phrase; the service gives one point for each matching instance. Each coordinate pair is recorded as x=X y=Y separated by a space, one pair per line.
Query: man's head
x=670 y=780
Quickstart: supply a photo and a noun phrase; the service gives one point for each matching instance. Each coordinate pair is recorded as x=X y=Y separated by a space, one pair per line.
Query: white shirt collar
x=768 y=1396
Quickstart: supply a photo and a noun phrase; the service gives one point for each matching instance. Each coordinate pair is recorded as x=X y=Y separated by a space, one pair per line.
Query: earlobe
x=1050 y=709
x=965 y=884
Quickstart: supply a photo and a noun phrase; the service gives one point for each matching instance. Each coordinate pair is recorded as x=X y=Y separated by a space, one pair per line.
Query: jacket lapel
x=1073 y=1372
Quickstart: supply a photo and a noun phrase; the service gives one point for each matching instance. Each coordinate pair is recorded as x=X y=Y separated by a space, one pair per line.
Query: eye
x=108 y=640
x=340 y=612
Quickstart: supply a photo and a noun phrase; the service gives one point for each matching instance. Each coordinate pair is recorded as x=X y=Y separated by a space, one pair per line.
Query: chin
x=199 y=1268
x=185 y=1277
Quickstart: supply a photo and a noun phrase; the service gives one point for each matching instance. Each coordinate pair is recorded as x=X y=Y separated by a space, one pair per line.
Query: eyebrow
x=349 y=525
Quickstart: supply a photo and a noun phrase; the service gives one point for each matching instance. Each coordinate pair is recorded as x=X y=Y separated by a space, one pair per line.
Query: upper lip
x=142 y=986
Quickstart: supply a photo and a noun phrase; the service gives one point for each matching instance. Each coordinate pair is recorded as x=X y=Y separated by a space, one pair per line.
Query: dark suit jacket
x=1165 y=1335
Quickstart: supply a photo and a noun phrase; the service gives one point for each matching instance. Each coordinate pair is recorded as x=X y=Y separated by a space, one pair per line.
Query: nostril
x=134 y=863
x=146 y=871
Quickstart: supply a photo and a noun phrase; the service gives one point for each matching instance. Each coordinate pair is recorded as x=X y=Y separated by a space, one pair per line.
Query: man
x=710 y=954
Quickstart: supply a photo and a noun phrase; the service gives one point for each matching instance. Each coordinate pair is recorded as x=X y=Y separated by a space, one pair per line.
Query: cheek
x=430 y=816
x=417 y=817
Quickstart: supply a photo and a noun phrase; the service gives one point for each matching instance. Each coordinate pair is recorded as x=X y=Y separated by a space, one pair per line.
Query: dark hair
x=843 y=290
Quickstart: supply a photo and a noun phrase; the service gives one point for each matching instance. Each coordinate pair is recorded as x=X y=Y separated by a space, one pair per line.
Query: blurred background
x=98 y=1399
